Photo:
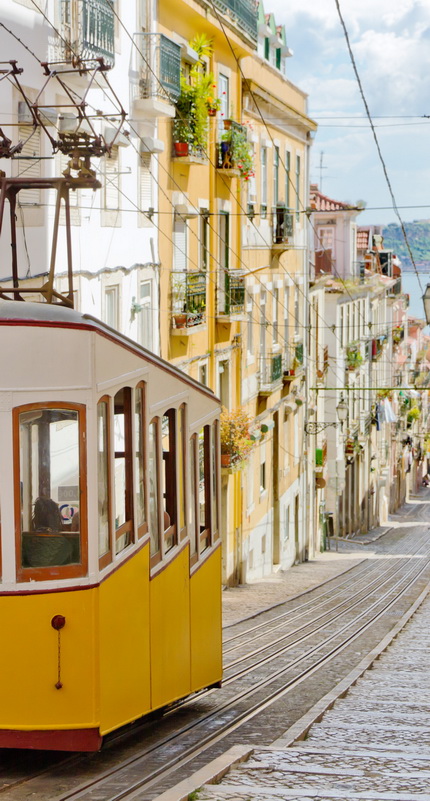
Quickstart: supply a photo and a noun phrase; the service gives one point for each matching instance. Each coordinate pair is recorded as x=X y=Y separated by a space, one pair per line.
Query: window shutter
x=145 y=182
x=29 y=169
x=180 y=247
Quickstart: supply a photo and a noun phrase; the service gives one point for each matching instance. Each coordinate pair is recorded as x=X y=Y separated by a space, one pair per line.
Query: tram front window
x=49 y=488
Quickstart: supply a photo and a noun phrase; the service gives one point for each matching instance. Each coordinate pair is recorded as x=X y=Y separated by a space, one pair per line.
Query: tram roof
x=53 y=314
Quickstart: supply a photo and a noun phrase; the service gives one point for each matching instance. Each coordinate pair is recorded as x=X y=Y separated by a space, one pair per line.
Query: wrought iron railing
x=234 y=299
x=87 y=29
x=243 y=12
x=188 y=299
x=271 y=370
x=158 y=67
x=282 y=225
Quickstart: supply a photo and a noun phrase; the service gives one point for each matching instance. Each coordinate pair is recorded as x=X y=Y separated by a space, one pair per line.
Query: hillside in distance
x=418 y=233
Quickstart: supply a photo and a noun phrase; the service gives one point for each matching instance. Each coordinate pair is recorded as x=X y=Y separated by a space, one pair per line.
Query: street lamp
x=342 y=413
x=426 y=301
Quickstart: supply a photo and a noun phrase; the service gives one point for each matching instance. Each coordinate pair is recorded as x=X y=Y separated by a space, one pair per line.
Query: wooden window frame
x=182 y=467
x=172 y=530
x=156 y=557
x=194 y=445
x=61 y=571
x=106 y=558
x=205 y=536
x=143 y=528
x=127 y=454
x=215 y=481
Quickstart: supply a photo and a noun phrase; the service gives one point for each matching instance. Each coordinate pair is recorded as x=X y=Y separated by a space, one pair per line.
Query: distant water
x=411 y=286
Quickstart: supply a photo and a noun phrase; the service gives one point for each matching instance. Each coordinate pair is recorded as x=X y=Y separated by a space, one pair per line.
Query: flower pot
x=181 y=148
x=225 y=459
x=227 y=125
x=212 y=112
x=180 y=320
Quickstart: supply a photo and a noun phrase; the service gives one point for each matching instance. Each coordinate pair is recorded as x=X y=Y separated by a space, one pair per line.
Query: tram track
x=204 y=727
x=189 y=753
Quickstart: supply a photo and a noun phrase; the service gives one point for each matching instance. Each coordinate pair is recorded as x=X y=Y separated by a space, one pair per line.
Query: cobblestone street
x=372 y=745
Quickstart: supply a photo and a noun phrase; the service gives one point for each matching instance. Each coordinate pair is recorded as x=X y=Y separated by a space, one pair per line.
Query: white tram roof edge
x=40 y=313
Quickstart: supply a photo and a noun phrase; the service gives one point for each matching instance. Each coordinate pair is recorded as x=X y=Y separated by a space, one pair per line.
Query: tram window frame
x=106 y=558
x=215 y=481
x=140 y=457
x=155 y=555
x=194 y=511
x=205 y=535
x=182 y=470
x=169 y=499
x=127 y=527
x=55 y=571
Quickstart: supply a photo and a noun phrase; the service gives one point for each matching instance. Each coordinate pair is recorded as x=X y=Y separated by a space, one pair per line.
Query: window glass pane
x=103 y=477
x=181 y=461
x=49 y=475
x=203 y=487
x=153 y=470
x=215 y=477
x=140 y=457
x=169 y=476
x=123 y=484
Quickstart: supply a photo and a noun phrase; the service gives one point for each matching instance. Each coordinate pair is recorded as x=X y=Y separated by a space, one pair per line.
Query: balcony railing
x=243 y=12
x=232 y=300
x=282 y=225
x=271 y=371
x=188 y=299
x=87 y=29
x=157 y=67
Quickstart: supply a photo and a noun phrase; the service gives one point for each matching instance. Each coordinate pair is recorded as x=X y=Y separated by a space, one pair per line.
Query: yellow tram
x=110 y=593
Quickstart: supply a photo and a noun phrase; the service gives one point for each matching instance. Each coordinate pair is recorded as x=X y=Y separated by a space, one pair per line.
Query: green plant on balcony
x=235 y=435
x=353 y=357
x=196 y=100
x=413 y=414
x=239 y=150
x=398 y=334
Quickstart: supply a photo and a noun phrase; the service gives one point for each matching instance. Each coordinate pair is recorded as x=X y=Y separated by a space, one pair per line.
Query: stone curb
x=300 y=729
x=209 y=774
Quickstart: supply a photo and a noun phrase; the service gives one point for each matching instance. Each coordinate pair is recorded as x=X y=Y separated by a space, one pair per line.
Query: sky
x=390 y=41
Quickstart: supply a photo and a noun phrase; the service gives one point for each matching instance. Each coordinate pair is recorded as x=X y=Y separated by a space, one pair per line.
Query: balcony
x=156 y=75
x=270 y=374
x=293 y=362
x=243 y=13
x=231 y=298
x=378 y=346
x=87 y=29
x=235 y=153
x=398 y=334
x=282 y=228
x=188 y=302
x=353 y=356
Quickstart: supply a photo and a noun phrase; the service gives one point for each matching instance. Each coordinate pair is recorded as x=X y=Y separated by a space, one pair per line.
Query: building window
x=287 y=178
x=112 y=306
x=296 y=312
x=204 y=242
x=103 y=482
x=275 y=175
x=263 y=475
x=224 y=237
x=145 y=324
x=180 y=246
x=145 y=199
x=275 y=322
x=224 y=95
x=203 y=374
x=31 y=151
x=263 y=182
x=123 y=470
x=250 y=326
x=111 y=199
x=298 y=180
x=50 y=493
x=286 y=317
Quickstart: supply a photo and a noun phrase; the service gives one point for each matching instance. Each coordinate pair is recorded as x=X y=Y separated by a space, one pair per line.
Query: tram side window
x=103 y=482
x=168 y=439
x=50 y=487
x=193 y=498
x=153 y=474
x=204 y=488
x=182 y=470
x=215 y=479
x=123 y=470
x=140 y=433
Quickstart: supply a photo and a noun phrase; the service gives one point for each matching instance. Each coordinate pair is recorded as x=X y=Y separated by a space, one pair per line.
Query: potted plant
x=236 y=151
x=236 y=442
x=196 y=100
x=413 y=414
